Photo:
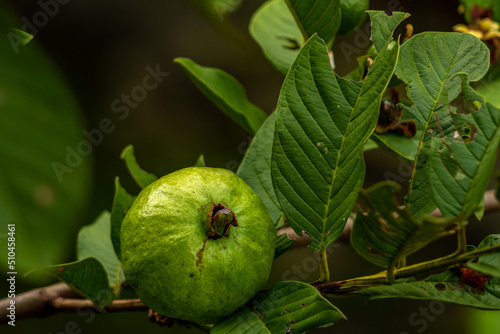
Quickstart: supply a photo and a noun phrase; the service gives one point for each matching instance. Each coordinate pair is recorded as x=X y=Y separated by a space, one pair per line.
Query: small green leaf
x=322 y=124
x=23 y=37
x=200 y=162
x=288 y=307
x=122 y=201
x=312 y=16
x=370 y=145
x=488 y=264
x=273 y=27
x=95 y=241
x=226 y=93
x=217 y=8
x=283 y=243
x=447 y=287
x=255 y=168
x=489 y=85
x=87 y=277
x=384 y=232
x=403 y=147
x=141 y=177
x=384 y=25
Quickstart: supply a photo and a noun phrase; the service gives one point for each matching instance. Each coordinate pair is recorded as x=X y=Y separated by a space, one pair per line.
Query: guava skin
x=171 y=263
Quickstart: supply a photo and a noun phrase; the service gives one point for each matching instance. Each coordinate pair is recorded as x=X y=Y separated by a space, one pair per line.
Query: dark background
x=103 y=47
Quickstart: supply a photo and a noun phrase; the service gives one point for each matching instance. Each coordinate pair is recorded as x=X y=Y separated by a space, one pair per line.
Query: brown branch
x=59 y=298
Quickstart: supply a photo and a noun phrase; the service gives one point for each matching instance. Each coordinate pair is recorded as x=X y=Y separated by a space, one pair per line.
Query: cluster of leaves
x=306 y=162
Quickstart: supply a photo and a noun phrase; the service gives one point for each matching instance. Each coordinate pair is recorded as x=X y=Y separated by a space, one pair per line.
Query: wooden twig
x=59 y=298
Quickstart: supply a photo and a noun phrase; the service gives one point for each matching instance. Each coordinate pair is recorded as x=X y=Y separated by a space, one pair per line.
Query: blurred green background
x=102 y=48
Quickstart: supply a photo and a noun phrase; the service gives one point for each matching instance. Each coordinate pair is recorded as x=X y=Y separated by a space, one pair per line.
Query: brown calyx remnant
x=473 y=279
x=220 y=220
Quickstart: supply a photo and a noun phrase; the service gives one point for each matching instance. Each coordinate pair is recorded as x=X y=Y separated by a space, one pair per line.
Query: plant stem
x=461 y=240
x=443 y=263
x=324 y=273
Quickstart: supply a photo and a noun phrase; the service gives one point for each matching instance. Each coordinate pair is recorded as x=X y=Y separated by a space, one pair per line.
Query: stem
x=324 y=274
x=461 y=240
x=354 y=284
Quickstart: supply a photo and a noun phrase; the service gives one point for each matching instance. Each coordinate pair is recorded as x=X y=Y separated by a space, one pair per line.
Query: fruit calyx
x=220 y=220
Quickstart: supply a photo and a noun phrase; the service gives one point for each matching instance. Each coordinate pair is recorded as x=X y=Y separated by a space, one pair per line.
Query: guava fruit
x=353 y=13
x=197 y=244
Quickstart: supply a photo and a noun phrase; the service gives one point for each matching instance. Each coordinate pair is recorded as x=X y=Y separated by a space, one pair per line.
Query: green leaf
x=87 y=277
x=45 y=161
x=255 y=168
x=283 y=243
x=273 y=27
x=22 y=38
x=322 y=124
x=226 y=93
x=370 y=145
x=384 y=232
x=217 y=8
x=488 y=264
x=383 y=26
x=436 y=67
x=94 y=240
x=447 y=287
x=312 y=16
x=200 y=162
x=122 y=202
x=480 y=321
x=141 y=177
x=289 y=307
x=403 y=147
x=489 y=86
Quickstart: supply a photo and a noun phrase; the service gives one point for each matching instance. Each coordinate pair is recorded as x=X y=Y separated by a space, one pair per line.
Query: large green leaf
x=313 y=16
x=447 y=287
x=226 y=93
x=453 y=161
x=322 y=124
x=384 y=232
x=274 y=28
x=289 y=307
x=489 y=263
x=87 y=277
x=255 y=168
x=122 y=202
x=141 y=177
x=44 y=154
x=94 y=240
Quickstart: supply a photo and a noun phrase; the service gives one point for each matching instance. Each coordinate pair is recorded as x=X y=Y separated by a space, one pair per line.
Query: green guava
x=353 y=13
x=197 y=244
